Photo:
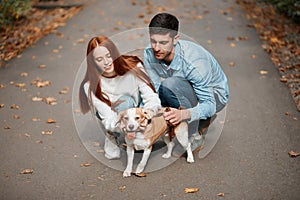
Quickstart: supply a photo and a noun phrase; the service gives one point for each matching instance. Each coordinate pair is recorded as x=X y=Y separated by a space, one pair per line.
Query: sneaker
x=197 y=143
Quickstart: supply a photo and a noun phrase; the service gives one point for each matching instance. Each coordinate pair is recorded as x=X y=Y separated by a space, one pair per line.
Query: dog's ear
x=148 y=113
x=120 y=116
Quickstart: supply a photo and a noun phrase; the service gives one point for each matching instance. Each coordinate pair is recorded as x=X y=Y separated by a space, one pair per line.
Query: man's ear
x=175 y=40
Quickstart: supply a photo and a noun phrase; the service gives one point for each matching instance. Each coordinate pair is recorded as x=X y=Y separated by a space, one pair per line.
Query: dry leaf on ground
x=293 y=154
x=85 y=165
x=35 y=119
x=14 y=106
x=142 y=174
x=50 y=100
x=24 y=74
x=191 y=190
x=50 y=121
x=37 y=99
x=26 y=171
x=122 y=188
x=64 y=90
x=263 y=72
x=221 y=194
x=47 y=132
x=21 y=85
x=16 y=116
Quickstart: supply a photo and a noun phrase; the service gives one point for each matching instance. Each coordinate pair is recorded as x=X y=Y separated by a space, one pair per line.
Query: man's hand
x=175 y=116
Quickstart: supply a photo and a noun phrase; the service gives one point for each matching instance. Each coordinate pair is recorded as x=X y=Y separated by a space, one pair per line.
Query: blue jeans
x=176 y=92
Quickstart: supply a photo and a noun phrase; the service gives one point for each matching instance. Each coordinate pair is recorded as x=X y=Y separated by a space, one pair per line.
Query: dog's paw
x=126 y=174
x=166 y=155
x=190 y=159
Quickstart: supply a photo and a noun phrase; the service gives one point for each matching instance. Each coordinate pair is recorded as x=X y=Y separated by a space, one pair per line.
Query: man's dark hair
x=164 y=23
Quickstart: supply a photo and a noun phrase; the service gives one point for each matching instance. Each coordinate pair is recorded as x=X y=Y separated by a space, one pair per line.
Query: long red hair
x=122 y=65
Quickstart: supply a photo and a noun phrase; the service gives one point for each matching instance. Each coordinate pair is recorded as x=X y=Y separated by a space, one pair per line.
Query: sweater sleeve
x=149 y=97
x=107 y=115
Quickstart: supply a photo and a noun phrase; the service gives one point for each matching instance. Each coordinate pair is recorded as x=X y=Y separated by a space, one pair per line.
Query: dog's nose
x=130 y=126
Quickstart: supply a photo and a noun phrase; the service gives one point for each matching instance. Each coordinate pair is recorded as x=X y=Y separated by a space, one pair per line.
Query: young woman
x=113 y=83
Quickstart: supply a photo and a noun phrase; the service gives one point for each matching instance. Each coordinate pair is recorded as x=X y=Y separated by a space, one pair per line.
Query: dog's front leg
x=142 y=164
x=130 y=155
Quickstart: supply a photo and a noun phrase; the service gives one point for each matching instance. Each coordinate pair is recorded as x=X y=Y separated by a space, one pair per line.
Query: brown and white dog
x=141 y=133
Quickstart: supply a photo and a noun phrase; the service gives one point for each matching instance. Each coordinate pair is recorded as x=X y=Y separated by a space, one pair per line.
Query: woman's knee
x=124 y=102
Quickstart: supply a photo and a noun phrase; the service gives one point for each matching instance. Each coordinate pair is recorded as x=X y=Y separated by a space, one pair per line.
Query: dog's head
x=133 y=120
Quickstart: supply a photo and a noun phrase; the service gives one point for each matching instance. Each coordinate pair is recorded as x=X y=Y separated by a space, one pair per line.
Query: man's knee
x=171 y=82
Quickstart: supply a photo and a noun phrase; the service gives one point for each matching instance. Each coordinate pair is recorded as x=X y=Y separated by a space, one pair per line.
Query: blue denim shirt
x=195 y=64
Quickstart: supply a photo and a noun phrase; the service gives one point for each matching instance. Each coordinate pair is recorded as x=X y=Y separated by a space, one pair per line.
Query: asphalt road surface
x=249 y=161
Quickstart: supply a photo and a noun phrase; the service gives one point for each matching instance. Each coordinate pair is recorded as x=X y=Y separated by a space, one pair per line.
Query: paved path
x=250 y=161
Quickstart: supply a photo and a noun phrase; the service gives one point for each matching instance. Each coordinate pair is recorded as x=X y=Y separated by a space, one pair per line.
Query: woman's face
x=104 y=61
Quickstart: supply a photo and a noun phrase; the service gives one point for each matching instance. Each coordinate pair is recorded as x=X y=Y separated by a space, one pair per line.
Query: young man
x=185 y=75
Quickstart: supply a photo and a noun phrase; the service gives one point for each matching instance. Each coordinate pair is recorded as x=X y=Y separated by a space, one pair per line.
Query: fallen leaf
x=14 y=106
x=42 y=66
x=55 y=51
x=142 y=174
x=27 y=134
x=191 y=190
x=16 y=116
x=283 y=80
x=263 y=72
x=64 y=90
x=221 y=194
x=96 y=144
x=232 y=44
x=43 y=83
x=287 y=113
x=293 y=154
x=50 y=100
x=38 y=82
x=100 y=150
x=1 y=105
x=81 y=40
x=35 y=119
x=231 y=64
x=85 y=165
x=122 y=188
x=26 y=171
x=24 y=74
x=6 y=127
x=253 y=56
x=198 y=17
x=77 y=111
x=20 y=85
x=50 y=121
x=2 y=86
x=37 y=99
x=141 y=15
x=47 y=132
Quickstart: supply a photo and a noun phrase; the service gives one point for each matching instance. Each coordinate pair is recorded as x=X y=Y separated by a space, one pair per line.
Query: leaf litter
x=280 y=39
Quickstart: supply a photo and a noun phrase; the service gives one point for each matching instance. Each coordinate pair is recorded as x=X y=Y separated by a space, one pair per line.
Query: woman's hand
x=110 y=123
x=175 y=116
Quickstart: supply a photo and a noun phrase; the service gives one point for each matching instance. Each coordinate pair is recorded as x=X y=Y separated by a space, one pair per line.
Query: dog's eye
x=126 y=118
x=137 y=118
